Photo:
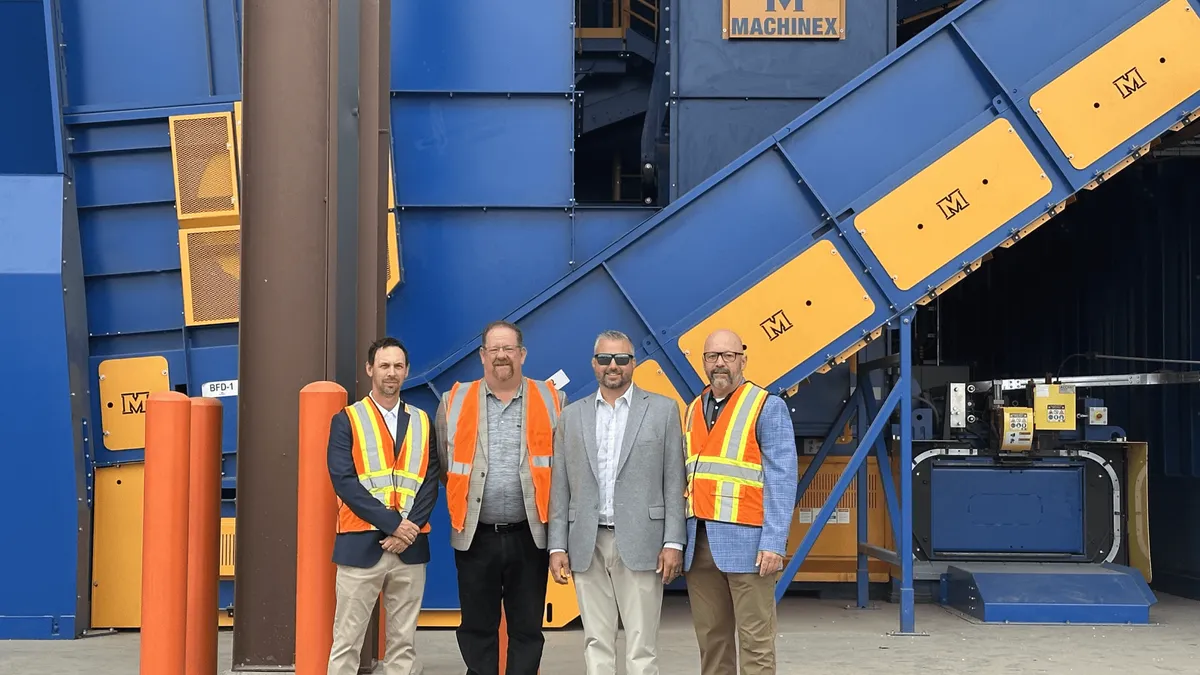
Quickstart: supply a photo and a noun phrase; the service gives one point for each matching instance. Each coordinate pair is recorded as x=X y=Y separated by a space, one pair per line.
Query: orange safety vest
x=392 y=478
x=724 y=465
x=463 y=417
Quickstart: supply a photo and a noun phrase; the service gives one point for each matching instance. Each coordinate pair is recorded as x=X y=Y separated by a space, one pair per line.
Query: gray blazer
x=648 y=502
x=462 y=540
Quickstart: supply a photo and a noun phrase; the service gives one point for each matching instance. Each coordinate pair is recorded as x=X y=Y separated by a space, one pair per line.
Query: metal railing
x=639 y=15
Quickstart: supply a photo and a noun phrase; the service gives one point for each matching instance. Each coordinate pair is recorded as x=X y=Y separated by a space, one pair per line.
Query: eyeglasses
x=711 y=357
x=507 y=349
x=621 y=359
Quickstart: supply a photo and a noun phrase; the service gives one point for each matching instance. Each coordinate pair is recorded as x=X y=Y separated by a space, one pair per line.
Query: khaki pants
x=609 y=591
x=358 y=588
x=725 y=606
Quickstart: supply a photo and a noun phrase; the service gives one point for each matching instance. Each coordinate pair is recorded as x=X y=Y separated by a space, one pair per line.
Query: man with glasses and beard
x=617 y=509
x=495 y=440
x=741 y=491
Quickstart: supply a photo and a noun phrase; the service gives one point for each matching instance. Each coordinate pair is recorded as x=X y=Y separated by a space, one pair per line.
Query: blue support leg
x=881 y=455
x=862 y=483
x=904 y=549
x=839 y=489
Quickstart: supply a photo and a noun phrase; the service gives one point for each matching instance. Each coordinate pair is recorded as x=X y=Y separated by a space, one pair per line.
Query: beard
x=503 y=369
x=613 y=379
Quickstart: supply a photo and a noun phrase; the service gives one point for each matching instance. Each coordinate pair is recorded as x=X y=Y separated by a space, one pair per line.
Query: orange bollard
x=316 y=515
x=503 y=642
x=204 y=536
x=165 y=533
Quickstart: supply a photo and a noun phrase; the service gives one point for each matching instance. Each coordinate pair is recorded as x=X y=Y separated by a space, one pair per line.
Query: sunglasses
x=621 y=359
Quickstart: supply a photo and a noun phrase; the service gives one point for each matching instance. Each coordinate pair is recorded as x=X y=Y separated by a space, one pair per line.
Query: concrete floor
x=815 y=636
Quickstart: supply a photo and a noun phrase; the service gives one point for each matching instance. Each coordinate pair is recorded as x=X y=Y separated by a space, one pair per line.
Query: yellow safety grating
x=125 y=385
x=393 y=244
x=211 y=263
x=202 y=155
x=228 y=547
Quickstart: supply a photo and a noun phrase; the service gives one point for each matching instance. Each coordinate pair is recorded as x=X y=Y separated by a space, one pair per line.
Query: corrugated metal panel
x=130 y=241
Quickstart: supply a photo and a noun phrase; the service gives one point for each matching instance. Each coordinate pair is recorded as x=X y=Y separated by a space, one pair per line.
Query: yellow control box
x=1054 y=407
x=1016 y=429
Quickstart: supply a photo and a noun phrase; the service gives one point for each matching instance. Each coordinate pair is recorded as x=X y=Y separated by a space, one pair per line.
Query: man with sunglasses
x=741 y=491
x=617 y=509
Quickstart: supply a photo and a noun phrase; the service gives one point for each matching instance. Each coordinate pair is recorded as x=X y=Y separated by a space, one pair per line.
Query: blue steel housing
x=483 y=116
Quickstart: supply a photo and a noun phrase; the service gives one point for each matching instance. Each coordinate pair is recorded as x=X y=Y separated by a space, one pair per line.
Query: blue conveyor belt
x=881 y=197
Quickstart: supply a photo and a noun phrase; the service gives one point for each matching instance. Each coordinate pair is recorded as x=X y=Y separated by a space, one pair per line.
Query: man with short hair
x=385 y=478
x=617 y=509
x=741 y=486
x=496 y=442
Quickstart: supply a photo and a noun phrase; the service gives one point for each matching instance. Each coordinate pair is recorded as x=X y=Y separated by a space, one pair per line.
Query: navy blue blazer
x=362 y=549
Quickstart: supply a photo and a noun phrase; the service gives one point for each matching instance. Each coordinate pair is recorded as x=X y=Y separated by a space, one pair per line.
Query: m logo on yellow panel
x=952 y=204
x=796 y=5
x=134 y=403
x=776 y=325
x=1130 y=82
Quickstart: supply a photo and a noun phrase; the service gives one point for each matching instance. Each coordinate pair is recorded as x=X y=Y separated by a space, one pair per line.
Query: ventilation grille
x=202 y=152
x=211 y=260
x=228 y=546
x=827 y=476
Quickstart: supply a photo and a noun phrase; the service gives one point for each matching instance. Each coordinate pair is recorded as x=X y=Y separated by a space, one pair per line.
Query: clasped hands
x=402 y=538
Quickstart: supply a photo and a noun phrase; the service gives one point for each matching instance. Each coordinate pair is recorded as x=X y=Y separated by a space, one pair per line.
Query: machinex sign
x=784 y=19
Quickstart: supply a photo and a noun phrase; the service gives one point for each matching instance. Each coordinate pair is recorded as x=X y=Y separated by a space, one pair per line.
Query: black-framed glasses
x=621 y=359
x=711 y=357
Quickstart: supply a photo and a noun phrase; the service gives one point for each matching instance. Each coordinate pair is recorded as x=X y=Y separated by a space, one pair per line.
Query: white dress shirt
x=391 y=416
x=610 y=434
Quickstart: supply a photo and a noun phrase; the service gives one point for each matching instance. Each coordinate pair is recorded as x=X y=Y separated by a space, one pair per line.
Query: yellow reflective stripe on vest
x=378 y=479
x=721 y=469
x=739 y=428
x=407 y=478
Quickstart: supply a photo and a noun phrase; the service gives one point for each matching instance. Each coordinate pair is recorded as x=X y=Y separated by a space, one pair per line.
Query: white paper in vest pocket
x=559 y=380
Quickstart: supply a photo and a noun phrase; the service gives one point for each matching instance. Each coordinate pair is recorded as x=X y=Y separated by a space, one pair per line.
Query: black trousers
x=503 y=564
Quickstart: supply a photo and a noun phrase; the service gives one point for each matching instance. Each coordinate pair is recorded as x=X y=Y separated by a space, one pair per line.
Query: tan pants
x=358 y=588
x=729 y=605
x=609 y=591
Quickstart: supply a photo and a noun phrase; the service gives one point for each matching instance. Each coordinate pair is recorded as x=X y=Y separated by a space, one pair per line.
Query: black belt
x=504 y=527
x=607 y=527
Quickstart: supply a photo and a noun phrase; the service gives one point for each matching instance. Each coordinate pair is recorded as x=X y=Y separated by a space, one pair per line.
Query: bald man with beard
x=741 y=491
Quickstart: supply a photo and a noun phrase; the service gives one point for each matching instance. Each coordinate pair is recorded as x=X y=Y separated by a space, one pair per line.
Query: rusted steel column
x=285 y=295
x=374 y=123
